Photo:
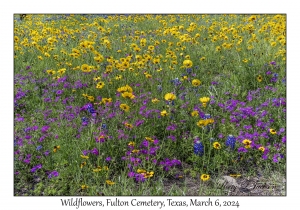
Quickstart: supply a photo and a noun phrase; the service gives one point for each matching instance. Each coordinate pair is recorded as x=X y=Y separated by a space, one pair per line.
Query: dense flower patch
x=107 y=101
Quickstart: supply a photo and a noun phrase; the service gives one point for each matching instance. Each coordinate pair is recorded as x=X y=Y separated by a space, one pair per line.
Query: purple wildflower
x=59 y=92
x=95 y=151
x=283 y=139
x=171 y=127
x=276 y=157
x=131 y=174
x=46 y=153
x=242 y=149
x=139 y=178
x=45 y=128
x=53 y=174
x=173 y=138
x=39 y=166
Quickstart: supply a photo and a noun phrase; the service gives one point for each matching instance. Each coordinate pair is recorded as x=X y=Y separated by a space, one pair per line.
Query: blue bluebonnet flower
x=91 y=109
x=176 y=82
x=230 y=142
x=85 y=120
x=206 y=116
x=198 y=148
x=159 y=88
x=39 y=147
x=104 y=126
x=170 y=103
x=189 y=70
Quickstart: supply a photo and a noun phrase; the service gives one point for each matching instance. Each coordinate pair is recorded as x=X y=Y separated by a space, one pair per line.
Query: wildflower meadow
x=146 y=104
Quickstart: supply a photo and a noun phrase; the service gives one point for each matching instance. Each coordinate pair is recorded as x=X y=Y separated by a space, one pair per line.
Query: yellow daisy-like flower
x=196 y=82
x=151 y=47
x=106 y=100
x=131 y=144
x=16 y=39
x=155 y=100
x=149 y=139
x=84 y=157
x=96 y=78
x=100 y=85
x=97 y=169
x=148 y=76
x=247 y=143
x=124 y=107
x=164 y=113
x=185 y=78
x=56 y=148
x=91 y=98
x=109 y=182
x=118 y=77
x=61 y=71
x=82 y=164
x=259 y=78
x=128 y=125
x=210 y=121
x=51 y=72
x=170 y=97
x=204 y=99
x=202 y=59
x=261 y=149
x=135 y=151
x=194 y=113
x=272 y=131
x=128 y=95
x=187 y=63
x=148 y=174
x=85 y=68
x=217 y=145
x=84 y=187
x=141 y=171
x=204 y=177
x=99 y=59
x=202 y=123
